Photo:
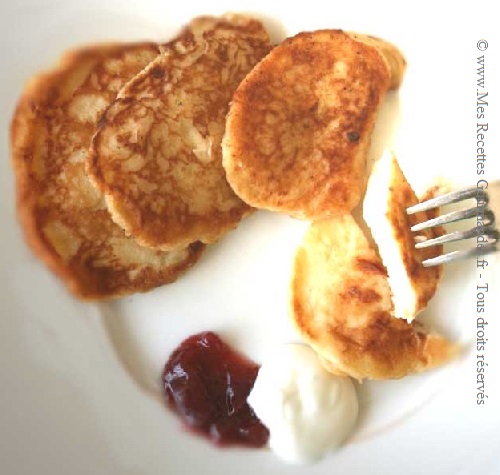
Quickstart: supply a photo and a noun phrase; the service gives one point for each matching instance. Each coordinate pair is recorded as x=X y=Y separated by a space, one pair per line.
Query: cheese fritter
x=299 y=127
x=157 y=153
x=64 y=216
x=341 y=304
x=387 y=196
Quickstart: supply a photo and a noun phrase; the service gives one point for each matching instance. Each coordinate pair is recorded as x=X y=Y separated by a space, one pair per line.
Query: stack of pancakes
x=118 y=160
x=130 y=158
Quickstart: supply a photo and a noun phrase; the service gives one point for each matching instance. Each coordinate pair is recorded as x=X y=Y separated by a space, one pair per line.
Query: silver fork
x=485 y=231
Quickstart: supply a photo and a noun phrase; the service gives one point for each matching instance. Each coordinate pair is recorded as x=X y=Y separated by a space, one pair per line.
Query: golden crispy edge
x=396 y=62
x=21 y=129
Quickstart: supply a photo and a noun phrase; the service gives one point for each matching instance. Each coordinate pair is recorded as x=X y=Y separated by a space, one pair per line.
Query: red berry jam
x=207 y=384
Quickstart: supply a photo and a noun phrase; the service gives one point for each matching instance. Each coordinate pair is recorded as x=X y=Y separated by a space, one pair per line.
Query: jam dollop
x=207 y=383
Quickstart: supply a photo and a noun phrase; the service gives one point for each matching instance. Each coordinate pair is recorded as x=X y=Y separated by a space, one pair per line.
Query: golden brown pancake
x=157 y=154
x=341 y=304
x=387 y=196
x=64 y=216
x=299 y=127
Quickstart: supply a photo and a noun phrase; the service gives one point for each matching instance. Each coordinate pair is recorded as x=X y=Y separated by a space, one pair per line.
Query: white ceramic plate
x=80 y=382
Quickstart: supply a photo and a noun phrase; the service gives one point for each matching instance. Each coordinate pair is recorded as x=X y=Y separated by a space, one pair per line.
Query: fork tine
x=489 y=231
x=455 y=255
x=455 y=216
x=448 y=198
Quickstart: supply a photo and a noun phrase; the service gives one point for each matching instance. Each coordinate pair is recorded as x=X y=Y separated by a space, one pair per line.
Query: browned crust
x=173 y=113
x=299 y=127
x=50 y=90
x=343 y=310
x=395 y=60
